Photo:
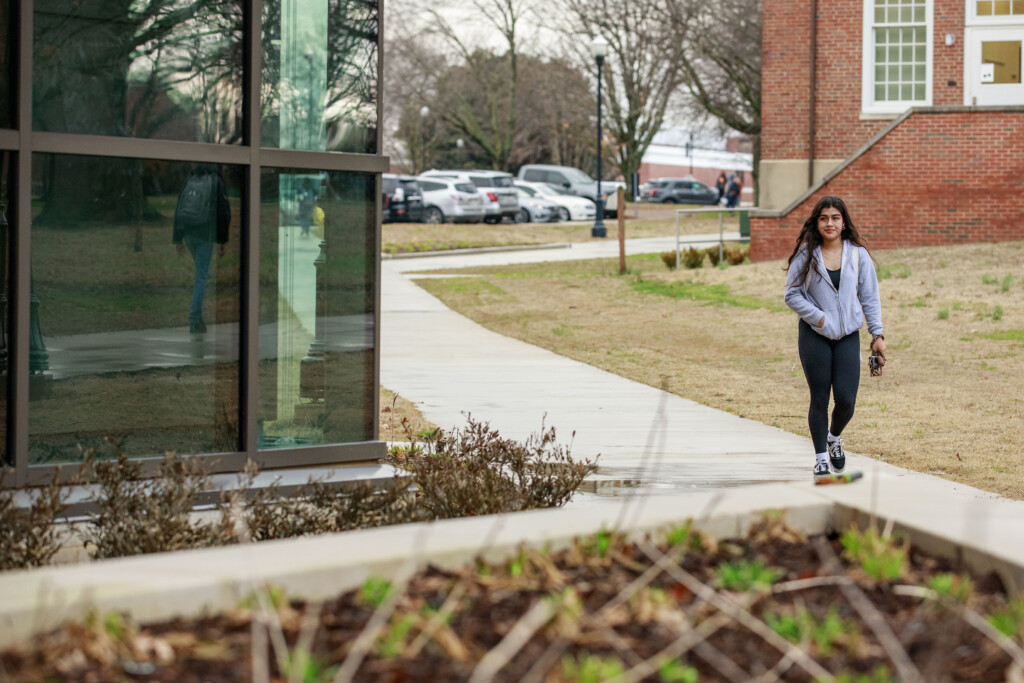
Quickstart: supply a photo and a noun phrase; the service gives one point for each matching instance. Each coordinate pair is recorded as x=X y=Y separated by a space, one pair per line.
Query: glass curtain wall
x=195 y=185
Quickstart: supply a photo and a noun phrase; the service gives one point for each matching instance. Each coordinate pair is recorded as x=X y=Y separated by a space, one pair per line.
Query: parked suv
x=575 y=181
x=501 y=200
x=402 y=199
x=450 y=200
x=678 y=191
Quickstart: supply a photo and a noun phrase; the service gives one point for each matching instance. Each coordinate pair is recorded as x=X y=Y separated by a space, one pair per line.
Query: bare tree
x=721 y=61
x=641 y=71
x=492 y=127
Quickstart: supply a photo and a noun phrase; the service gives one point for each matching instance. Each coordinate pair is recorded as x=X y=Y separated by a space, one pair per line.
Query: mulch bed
x=597 y=610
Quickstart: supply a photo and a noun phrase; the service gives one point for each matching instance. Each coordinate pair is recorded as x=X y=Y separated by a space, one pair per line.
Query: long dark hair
x=810 y=236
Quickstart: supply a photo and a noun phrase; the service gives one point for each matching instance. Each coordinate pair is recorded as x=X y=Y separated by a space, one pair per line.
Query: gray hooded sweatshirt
x=844 y=309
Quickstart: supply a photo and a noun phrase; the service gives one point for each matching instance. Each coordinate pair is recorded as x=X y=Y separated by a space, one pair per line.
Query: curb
x=478 y=250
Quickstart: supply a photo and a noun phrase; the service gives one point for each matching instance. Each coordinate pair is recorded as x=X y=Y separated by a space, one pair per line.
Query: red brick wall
x=785 y=63
x=948 y=60
x=937 y=178
x=839 y=130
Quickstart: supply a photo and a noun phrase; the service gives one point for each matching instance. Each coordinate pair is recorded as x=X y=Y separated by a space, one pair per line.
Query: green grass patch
x=713 y=294
x=1005 y=335
x=896 y=270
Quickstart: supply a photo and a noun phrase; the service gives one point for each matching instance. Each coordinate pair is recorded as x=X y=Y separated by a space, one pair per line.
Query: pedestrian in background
x=720 y=185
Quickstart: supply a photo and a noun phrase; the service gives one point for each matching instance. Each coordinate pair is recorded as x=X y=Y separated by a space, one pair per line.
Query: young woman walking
x=831 y=284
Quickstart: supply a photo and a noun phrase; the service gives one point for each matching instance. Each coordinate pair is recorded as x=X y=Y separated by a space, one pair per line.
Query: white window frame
x=971 y=17
x=868 y=104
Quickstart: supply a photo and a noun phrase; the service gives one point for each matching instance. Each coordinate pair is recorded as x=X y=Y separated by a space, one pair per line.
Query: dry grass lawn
x=950 y=402
x=654 y=221
x=395 y=408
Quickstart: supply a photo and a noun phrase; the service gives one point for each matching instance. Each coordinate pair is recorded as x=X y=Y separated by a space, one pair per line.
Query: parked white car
x=573 y=208
x=500 y=199
x=448 y=200
x=574 y=181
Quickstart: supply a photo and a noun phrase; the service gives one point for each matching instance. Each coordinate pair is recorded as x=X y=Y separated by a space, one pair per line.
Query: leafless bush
x=712 y=253
x=137 y=516
x=693 y=258
x=28 y=536
x=735 y=256
x=669 y=258
x=475 y=471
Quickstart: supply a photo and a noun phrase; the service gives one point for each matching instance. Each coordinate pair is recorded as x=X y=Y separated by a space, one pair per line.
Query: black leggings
x=830 y=366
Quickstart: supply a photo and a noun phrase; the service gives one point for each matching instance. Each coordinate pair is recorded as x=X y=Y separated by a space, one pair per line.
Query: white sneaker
x=821 y=469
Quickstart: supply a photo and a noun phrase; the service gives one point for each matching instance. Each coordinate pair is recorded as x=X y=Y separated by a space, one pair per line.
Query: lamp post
x=424 y=113
x=460 y=143
x=599 y=48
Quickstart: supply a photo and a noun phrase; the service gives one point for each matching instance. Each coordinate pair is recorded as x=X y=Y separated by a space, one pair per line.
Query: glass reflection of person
x=201 y=218
x=306 y=200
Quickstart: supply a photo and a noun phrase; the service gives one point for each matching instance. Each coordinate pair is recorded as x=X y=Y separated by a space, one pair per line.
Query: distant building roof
x=674 y=155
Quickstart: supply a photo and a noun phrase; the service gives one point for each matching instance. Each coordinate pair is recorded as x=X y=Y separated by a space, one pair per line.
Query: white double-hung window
x=897 y=64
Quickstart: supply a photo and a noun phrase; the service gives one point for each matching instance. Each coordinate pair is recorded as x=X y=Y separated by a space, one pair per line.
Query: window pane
x=1018 y=7
x=879 y=17
x=920 y=34
x=919 y=92
x=894 y=54
x=919 y=14
x=920 y=53
x=908 y=53
x=880 y=93
x=141 y=337
x=906 y=14
x=894 y=73
x=879 y=73
x=320 y=75
x=1005 y=56
x=984 y=8
x=893 y=92
x=919 y=73
x=893 y=15
x=109 y=67
x=879 y=54
x=6 y=66
x=907 y=92
x=1001 y=8
x=317 y=237
x=907 y=73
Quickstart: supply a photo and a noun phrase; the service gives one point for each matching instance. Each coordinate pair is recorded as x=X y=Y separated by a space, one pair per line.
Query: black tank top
x=834 y=274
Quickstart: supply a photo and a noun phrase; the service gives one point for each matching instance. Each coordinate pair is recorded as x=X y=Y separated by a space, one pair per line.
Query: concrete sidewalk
x=650 y=442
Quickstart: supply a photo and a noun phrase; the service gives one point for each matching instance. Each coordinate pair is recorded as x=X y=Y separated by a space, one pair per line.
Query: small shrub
x=997 y=313
x=692 y=258
x=953 y=587
x=744 y=576
x=588 y=668
x=669 y=258
x=943 y=313
x=735 y=256
x=880 y=557
x=1009 y=620
x=712 y=253
x=28 y=537
x=802 y=626
x=1007 y=281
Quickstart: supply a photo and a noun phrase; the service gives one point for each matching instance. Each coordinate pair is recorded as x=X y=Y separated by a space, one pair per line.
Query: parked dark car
x=402 y=199
x=679 y=191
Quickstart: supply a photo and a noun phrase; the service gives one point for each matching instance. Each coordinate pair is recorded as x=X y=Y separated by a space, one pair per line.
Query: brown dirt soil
x=949 y=402
x=654 y=221
x=604 y=610
x=400 y=419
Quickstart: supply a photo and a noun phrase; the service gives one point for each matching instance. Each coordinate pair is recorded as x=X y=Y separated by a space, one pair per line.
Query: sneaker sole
x=837 y=470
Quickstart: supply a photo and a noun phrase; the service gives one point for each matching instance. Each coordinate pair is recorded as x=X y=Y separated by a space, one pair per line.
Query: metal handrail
x=719 y=211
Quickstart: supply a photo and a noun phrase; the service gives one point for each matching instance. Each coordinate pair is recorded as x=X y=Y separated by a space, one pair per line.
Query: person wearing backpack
x=831 y=284
x=201 y=219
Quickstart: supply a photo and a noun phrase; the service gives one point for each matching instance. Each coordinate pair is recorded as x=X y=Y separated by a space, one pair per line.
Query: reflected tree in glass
x=155 y=68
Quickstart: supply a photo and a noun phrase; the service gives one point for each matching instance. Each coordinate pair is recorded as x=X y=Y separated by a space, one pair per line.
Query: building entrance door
x=994 y=65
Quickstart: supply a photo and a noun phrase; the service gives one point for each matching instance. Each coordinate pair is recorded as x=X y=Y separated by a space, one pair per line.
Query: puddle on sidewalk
x=616 y=482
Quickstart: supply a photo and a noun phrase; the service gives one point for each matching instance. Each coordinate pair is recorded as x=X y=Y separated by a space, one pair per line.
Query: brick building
x=911 y=110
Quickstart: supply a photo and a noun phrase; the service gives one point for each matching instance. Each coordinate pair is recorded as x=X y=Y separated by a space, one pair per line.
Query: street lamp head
x=599 y=48
x=424 y=111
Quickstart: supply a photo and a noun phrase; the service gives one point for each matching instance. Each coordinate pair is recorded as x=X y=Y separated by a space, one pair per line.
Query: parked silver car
x=447 y=200
x=500 y=198
x=575 y=181
x=533 y=208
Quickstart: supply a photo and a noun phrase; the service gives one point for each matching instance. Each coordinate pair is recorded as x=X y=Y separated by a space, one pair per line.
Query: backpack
x=196 y=203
